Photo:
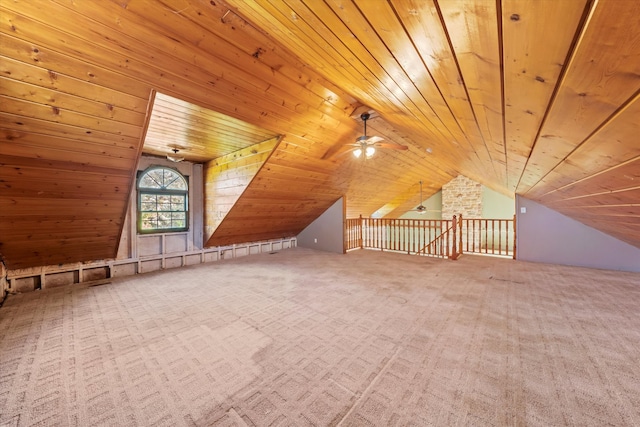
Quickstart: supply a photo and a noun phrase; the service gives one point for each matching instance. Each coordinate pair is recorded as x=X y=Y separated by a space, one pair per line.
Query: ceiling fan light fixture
x=369 y=151
x=175 y=157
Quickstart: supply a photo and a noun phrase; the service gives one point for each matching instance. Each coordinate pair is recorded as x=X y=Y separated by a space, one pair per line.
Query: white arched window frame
x=163 y=201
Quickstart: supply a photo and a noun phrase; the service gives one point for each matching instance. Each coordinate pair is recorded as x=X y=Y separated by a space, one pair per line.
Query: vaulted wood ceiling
x=538 y=98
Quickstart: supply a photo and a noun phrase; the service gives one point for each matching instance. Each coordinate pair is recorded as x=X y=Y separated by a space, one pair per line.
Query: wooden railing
x=353 y=234
x=488 y=236
x=410 y=236
x=439 y=246
x=433 y=237
x=447 y=244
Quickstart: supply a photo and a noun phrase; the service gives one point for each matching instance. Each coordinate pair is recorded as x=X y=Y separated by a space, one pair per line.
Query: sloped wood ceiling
x=539 y=98
x=199 y=134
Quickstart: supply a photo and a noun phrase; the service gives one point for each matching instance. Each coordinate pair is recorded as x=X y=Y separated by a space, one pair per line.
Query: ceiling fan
x=175 y=157
x=422 y=208
x=364 y=146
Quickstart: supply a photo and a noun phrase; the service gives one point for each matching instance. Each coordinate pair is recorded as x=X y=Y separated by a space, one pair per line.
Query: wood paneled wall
x=225 y=180
x=76 y=82
x=537 y=98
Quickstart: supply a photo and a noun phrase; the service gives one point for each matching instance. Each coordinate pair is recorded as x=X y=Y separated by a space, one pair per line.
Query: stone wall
x=463 y=196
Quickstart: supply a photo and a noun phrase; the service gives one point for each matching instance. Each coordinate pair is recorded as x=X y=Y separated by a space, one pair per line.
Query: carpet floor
x=306 y=338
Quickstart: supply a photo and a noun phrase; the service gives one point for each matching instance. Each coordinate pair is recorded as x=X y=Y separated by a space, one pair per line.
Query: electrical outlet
x=315 y=240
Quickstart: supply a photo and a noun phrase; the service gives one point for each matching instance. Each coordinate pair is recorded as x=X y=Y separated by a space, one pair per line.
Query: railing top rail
x=430 y=219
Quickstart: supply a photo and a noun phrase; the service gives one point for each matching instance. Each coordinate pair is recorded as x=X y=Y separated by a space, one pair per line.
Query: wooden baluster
x=506 y=237
x=493 y=236
x=407 y=235
x=395 y=235
x=473 y=236
x=385 y=239
x=372 y=230
x=467 y=234
x=442 y=251
x=376 y=234
x=412 y=234
x=486 y=236
x=446 y=248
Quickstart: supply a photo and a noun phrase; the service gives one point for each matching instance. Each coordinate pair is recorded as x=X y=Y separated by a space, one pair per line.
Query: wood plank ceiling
x=537 y=98
x=199 y=134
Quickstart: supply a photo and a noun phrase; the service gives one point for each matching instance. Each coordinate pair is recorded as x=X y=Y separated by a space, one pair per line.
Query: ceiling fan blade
x=373 y=139
x=338 y=149
x=391 y=146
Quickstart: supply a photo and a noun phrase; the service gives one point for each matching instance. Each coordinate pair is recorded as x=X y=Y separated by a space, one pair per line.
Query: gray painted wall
x=544 y=235
x=325 y=233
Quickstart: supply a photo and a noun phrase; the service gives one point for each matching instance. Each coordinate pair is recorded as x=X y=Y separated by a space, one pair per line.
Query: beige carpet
x=305 y=338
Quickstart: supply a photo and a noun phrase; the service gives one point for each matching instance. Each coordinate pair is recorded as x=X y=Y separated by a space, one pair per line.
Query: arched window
x=162 y=201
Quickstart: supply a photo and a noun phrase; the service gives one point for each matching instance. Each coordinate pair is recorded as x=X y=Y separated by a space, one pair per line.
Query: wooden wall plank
x=612 y=145
x=65 y=102
x=601 y=76
x=60 y=115
x=473 y=30
x=218 y=172
x=26 y=206
x=270 y=54
x=200 y=134
x=34 y=146
x=77 y=76
x=66 y=85
x=191 y=67
x=536 y=46
x=60 y=169
x=422 y=22
x=352 y=55
x=624 y=176
x=18 y=126
x=60 y=65
x=601 y=200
